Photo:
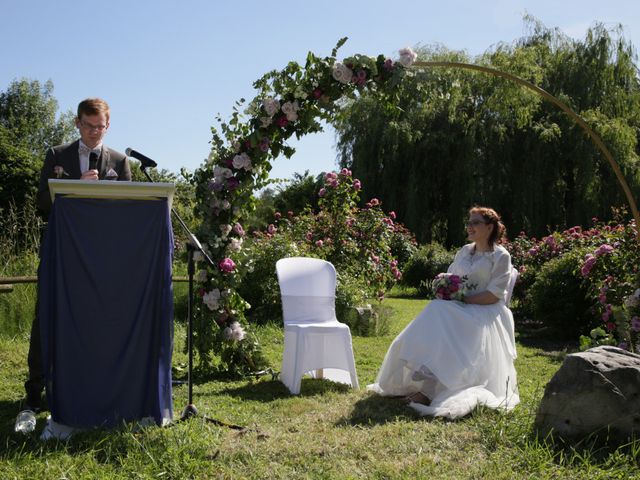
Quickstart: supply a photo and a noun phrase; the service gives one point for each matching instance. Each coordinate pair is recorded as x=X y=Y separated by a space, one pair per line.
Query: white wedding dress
x=458 y=355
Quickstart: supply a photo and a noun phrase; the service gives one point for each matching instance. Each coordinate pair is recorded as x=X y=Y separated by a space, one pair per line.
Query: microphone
x=93 y=161
x=144 y=160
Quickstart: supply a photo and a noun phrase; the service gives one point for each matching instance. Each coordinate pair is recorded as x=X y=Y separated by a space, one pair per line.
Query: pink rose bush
x=606 y=269
x=359 y=242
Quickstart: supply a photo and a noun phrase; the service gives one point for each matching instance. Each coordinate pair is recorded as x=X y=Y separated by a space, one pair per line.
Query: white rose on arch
x=271 y=106
x=407 y=56
x=342 y=73
x=235 y=245
x=222 y=172
x=290 y=109
x=225 y=229
x=242 y=161
x=211 y=299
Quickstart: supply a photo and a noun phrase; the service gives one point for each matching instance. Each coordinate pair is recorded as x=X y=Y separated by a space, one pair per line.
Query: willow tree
x=457 y=137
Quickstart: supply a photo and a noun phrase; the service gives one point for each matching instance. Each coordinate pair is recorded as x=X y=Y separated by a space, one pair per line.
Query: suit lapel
x=104 y=162
x=71 y=160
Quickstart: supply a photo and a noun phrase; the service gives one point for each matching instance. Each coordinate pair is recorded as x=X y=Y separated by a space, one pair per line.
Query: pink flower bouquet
x=447 y=286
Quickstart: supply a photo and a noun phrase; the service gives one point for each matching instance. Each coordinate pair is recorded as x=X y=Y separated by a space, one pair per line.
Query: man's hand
x=90 y=175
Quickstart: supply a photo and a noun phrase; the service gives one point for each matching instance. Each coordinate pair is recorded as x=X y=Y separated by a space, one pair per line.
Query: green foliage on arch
x=290 y=102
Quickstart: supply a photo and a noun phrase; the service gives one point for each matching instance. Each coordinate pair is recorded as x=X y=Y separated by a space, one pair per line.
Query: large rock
x=594 y=392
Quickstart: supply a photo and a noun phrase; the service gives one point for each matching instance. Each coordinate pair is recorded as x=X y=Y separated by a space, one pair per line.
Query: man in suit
x=85 y=159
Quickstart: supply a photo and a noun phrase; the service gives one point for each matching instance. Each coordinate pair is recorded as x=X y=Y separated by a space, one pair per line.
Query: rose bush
x=361 y=243
x=604 y=259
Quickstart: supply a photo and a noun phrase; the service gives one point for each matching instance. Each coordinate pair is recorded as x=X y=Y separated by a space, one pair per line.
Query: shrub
x=558 y=297
x=359 y=242
x=426 y=262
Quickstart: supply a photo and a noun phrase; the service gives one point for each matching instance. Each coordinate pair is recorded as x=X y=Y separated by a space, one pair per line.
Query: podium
x=106 y=303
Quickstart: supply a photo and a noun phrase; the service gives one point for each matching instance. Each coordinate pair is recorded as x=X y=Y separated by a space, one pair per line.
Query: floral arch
x=289 y=102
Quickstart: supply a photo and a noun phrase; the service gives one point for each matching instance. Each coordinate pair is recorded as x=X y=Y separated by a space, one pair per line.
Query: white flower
x=237 y=332
x=235 y=245
x=222 y=172
x=202 y=275
x=407 y=56
x=211 y=299
x=225 y=204
x=271 y=106
x=242 y=161
x=290 y=109
x=225 y=229
x=342 y=73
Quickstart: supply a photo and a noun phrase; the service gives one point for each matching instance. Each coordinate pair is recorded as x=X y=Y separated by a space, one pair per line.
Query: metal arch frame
x=565 y=108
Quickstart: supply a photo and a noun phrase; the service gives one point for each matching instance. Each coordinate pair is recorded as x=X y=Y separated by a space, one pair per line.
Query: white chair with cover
x=512 y=283
x=315 y=342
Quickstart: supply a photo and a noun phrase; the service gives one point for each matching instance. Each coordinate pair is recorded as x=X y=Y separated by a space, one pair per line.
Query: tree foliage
x=29 y=124
x=458 y=138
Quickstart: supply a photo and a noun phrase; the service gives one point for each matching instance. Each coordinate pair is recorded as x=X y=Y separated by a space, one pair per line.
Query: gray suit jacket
x=67 y=157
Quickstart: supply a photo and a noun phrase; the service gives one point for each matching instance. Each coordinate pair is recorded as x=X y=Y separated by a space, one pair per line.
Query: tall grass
x=19 y=244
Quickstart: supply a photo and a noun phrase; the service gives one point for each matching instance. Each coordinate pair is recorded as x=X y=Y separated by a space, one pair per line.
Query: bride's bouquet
x=448 y=286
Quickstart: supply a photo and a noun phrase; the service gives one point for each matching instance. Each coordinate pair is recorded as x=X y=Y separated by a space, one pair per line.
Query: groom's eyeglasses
x=90 y=126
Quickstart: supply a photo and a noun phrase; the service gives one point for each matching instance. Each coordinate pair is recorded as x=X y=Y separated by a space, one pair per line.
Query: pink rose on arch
x=319 y=243
x=238 y=230
x=277 y=215
x=322 y=192
x=346 y=172
x=271 y=229
x=392 y=215
x=226 y=265
x=357 y=185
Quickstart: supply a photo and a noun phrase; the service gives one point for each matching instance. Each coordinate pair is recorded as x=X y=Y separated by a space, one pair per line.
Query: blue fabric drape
x=106 y=311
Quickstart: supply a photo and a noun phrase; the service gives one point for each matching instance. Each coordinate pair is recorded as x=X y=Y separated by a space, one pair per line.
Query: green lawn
x=329 y=431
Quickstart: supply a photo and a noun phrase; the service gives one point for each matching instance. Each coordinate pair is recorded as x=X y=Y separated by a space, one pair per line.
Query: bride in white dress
x=456 y=355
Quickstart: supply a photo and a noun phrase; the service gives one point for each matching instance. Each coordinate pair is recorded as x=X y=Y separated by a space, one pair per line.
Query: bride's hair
x=499 y=232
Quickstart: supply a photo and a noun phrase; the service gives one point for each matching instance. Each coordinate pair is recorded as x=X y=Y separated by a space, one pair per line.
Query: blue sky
x=168 y=67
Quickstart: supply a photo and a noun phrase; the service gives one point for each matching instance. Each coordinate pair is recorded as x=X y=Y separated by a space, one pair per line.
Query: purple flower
x=322 y=192
x=635 y=323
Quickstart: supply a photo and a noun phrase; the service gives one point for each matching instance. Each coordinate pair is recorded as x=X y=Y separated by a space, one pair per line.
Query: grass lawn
x=329 y=431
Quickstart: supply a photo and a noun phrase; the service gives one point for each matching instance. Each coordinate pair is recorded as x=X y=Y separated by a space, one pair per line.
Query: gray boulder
x=594 y=392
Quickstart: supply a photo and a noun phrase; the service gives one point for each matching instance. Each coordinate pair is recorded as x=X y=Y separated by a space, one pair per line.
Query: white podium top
x=111 y=189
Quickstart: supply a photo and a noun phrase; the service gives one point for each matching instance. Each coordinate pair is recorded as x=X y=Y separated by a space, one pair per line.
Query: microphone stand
x=192 y=245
